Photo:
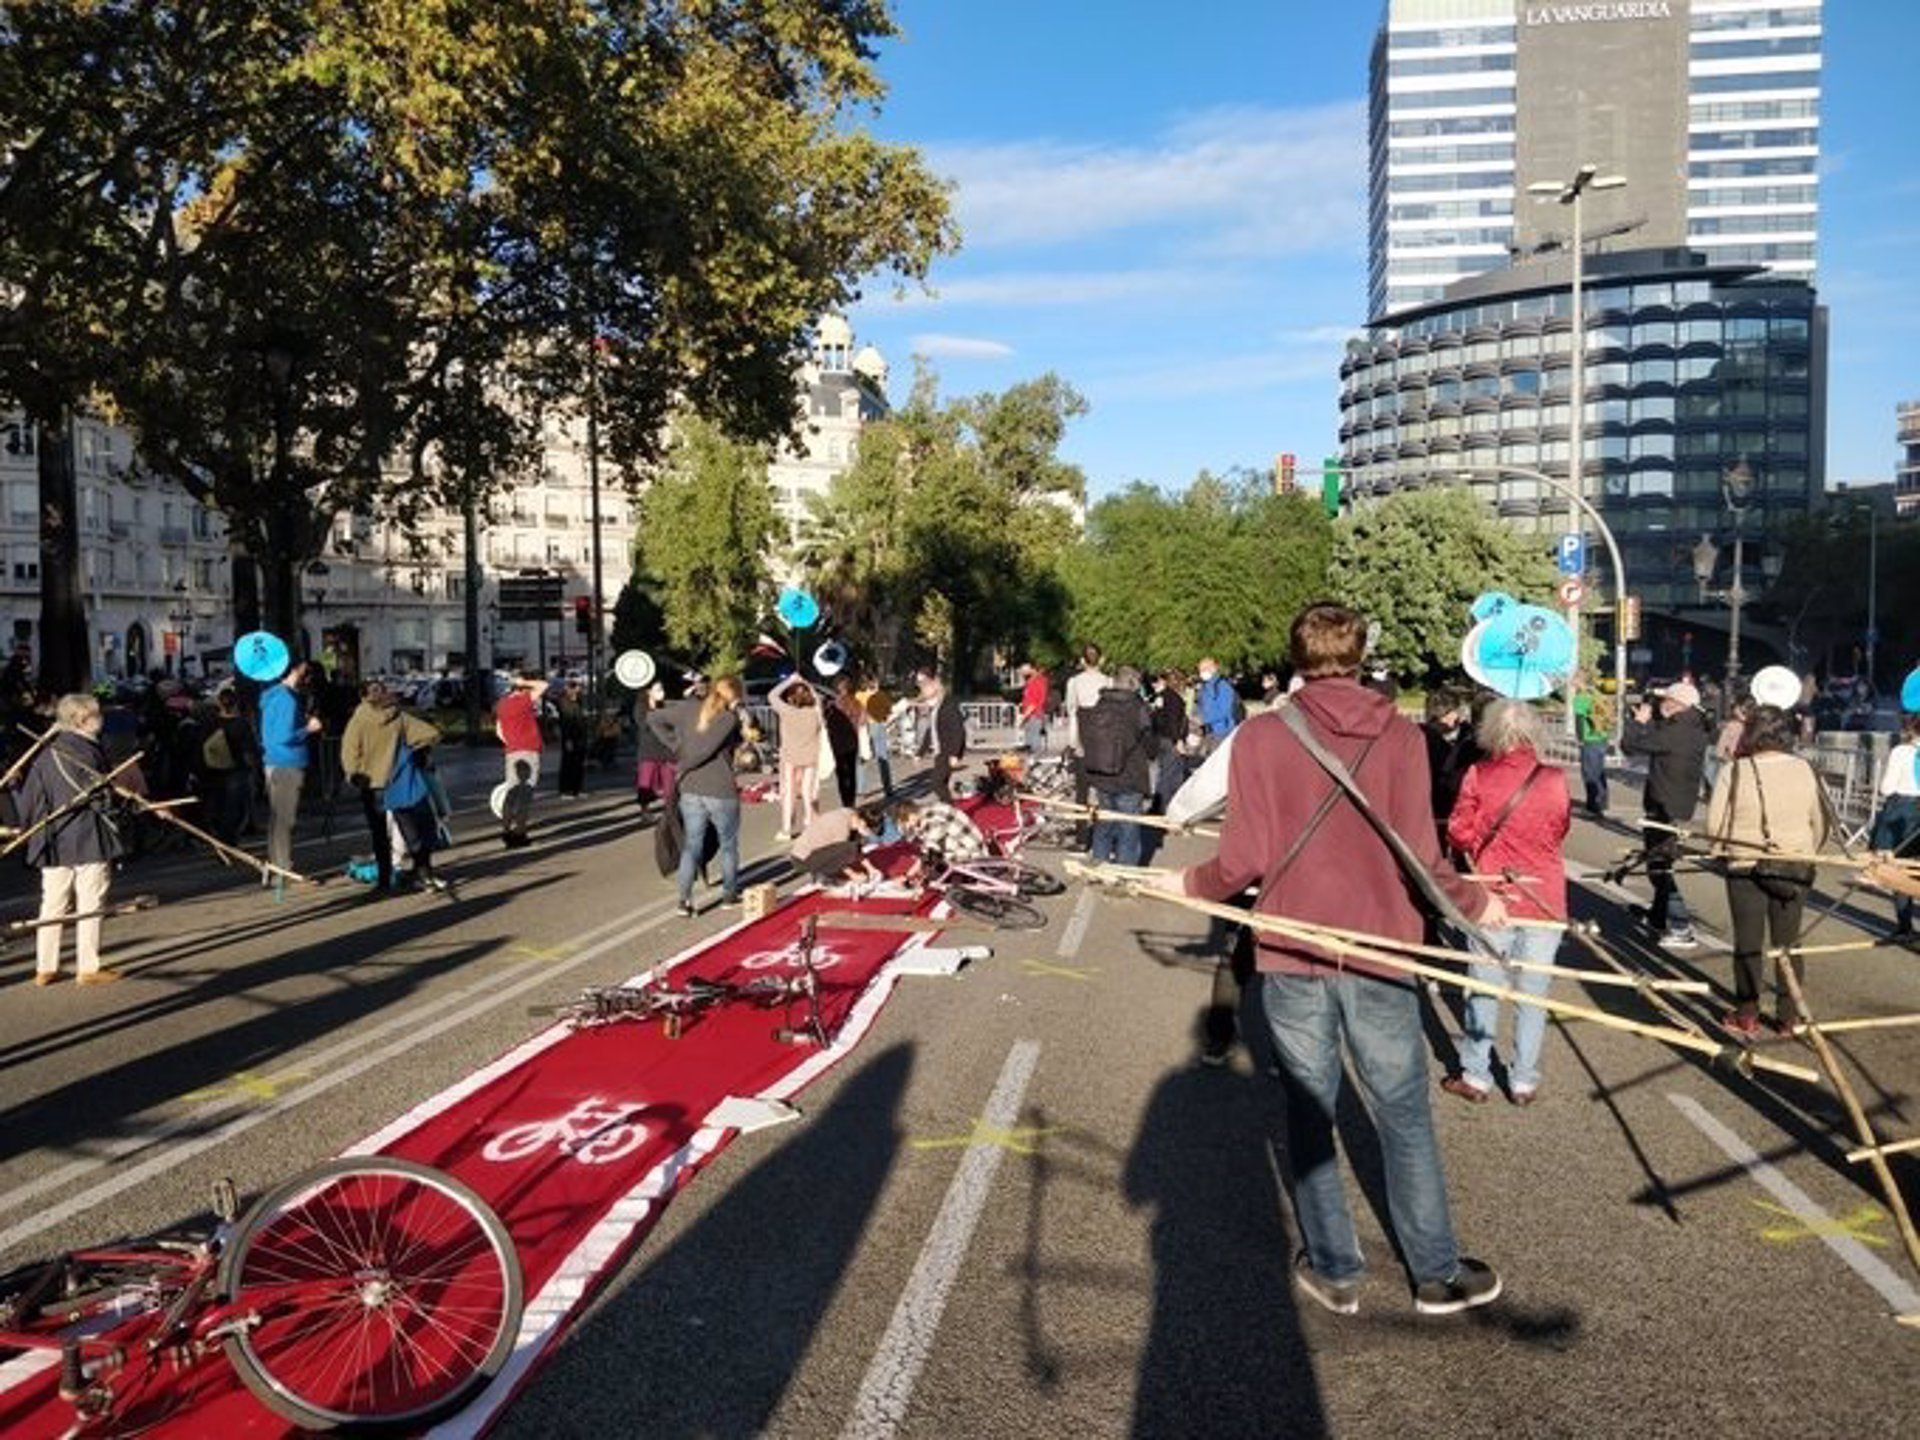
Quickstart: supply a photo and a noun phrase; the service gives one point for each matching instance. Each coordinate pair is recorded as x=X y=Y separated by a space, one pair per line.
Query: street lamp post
x=1586 y=508
x=1573 y=193
x=1736 y=489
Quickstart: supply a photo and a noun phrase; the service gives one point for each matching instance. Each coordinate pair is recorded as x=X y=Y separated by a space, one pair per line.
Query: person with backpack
x=228 y=756
x=369 y=750
x=1116 y=738
x=1511 y=819
x=1329 y=813
x=1896 y=828
x=703 y=734
x=1674 y=741
x=1216 y=704
x=408 y=800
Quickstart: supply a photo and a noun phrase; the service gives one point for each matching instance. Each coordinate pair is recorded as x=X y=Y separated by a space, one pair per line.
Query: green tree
x=945 y=532
x=706 y=524
x=1219 y=569
x=1415 y=562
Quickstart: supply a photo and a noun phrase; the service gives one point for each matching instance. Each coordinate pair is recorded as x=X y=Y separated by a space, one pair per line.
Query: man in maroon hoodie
x=1314 y=857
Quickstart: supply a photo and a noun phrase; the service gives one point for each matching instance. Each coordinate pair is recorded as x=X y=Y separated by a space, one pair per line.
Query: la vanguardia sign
x=1619 y=10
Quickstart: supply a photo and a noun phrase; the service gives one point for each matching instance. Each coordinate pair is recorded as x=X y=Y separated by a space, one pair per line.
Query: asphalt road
x=1125 y=1268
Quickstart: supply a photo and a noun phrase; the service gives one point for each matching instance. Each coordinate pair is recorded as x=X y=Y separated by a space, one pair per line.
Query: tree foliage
x=321 y=254
x=1220 y=569
x=706 y=523
x=1415 y=563
x=945 y=532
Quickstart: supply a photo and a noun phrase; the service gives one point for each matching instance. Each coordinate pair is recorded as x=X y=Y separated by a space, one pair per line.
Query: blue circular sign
x=1910 y=693
x=798 y=609
x=261 y=656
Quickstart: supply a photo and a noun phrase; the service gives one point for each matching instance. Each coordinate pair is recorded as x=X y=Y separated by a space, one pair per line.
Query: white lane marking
x=881 y=1407
x=1895 y=1290
x=1076 y=931
x=492 y=995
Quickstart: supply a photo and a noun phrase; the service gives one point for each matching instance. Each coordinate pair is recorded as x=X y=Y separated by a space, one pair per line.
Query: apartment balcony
x=1909 y=417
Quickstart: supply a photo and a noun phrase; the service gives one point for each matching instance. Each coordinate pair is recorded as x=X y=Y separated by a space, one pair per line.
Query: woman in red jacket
x=1511 y=820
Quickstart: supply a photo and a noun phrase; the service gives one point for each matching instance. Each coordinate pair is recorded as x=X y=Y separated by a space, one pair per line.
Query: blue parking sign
x=1571 y=554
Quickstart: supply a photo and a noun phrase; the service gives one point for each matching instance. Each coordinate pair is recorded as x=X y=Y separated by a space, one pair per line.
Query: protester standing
x=844 y=720
x=1511 y=820
x=798 y=711
x=702 y=734
x=1081 y=691
x=1766 y=799
x=1217 y=704
x=408 y=798
x=1318 y=859
x=877 y=705
x=1035 y=697
x=285 y=732
x=949 y=728
x=1591 y=730
x=653 y=775
x=75 y=852
x=1451 y=748
x=1169 y=734
x=1116 y=736
x=228 y=756
x=576 y=736
x=1674 y=740
x=516 y=720
x=1896 y=829
x=376 y=733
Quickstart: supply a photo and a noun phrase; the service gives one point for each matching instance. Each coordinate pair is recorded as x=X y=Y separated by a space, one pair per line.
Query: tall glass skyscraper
x=1710 y=108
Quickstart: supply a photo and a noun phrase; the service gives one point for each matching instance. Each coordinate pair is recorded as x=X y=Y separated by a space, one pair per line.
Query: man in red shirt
x=516 y=720
x=1314 y=856
x=1033 y=707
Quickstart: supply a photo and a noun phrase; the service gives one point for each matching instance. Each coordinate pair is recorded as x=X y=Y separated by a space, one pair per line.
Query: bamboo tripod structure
x=1091 y=812
x=1871 y=1150
x=1397 y=955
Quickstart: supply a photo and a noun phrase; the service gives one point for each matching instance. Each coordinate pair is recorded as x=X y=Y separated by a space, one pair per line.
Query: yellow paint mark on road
x=246 y=1085
x=1047 y=968
x=1859 y=1225
x=542 y=952
x=1021 y=1140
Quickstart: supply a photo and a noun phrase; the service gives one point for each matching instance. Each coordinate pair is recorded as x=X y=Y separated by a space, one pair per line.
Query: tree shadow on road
x=705 y=1339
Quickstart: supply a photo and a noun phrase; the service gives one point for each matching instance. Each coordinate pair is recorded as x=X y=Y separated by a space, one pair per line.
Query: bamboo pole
x=220 y=847
x=1863 y=1127
x=1740 y=1056
x=40 y=742
x=1870 y=1022
x=1090 y=812
x=1836 y=948
x=1658 y=1001
x=1763 y=851
x=1892 y=1147
x=80 y=797
x=125 y=907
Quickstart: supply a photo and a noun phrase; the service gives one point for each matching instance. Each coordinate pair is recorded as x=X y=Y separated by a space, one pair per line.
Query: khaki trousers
x=85 y=887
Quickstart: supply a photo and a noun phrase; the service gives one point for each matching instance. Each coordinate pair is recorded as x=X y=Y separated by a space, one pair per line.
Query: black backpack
x=1103 y=748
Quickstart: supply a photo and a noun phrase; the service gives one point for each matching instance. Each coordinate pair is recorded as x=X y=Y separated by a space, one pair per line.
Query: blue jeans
x=1593 y=772
x=1117 y=840
x=1380 y=1023
x=1518 y=942
x=881 y=762
x=1035 y=731
x=697 y=812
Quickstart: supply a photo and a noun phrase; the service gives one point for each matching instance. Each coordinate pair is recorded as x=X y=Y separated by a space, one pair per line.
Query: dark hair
x=1327 y=638
x=1090 y=654
x=1770 y=728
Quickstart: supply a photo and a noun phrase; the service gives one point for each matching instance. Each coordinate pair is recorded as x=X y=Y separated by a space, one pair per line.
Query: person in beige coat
x=367 y=751
x=1765 y=815
x=798 y=709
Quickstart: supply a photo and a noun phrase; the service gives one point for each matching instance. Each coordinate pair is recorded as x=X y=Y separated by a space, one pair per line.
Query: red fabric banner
x=578 y=1138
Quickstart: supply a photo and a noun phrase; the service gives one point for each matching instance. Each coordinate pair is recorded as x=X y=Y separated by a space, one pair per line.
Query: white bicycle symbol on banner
x=825 y=957
x=593 y=1132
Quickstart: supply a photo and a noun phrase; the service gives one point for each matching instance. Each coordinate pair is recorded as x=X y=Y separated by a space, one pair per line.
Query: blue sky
x=1166 y=205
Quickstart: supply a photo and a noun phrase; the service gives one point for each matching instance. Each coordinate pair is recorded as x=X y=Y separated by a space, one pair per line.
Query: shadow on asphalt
x=1225 y=1353
x=705 y=1338
x=66 y=1120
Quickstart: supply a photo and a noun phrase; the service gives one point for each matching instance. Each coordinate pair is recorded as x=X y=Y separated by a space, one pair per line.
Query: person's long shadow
x=738 y=1297
x=1225 y=1352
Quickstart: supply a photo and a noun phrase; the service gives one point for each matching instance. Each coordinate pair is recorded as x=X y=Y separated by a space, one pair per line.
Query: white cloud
x=1241 y=180
x=960 y=347
x=1036 y=289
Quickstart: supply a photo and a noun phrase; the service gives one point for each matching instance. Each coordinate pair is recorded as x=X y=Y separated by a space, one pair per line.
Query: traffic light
x=1286 y=473
x=1330 y=486
x=583 y=614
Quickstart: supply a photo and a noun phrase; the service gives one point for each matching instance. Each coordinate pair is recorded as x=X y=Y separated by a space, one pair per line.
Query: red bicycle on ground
x=367 y=1293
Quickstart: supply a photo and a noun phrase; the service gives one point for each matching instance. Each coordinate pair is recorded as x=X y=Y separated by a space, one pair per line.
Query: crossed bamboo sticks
x=1400 y=956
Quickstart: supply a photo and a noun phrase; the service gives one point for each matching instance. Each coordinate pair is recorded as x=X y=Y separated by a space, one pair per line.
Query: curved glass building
x=1698 y=373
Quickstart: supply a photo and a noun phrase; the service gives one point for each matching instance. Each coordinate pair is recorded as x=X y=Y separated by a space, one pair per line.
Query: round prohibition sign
x=1572 y=592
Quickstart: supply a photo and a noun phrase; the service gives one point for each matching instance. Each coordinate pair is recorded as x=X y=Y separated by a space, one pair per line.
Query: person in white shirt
x=1896 y=829
x=1080 y=692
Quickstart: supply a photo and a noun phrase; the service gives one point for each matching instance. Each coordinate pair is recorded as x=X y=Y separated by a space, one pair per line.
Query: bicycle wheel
x=1036 y=882
x=1004 y=912
x=386 y=1294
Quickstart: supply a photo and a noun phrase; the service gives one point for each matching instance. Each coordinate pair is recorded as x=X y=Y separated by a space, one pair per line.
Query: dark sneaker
x=1683 y=939
x=1472 y=1284
x=1465 y=1089
x=687 y=912
x=1342 y=1297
